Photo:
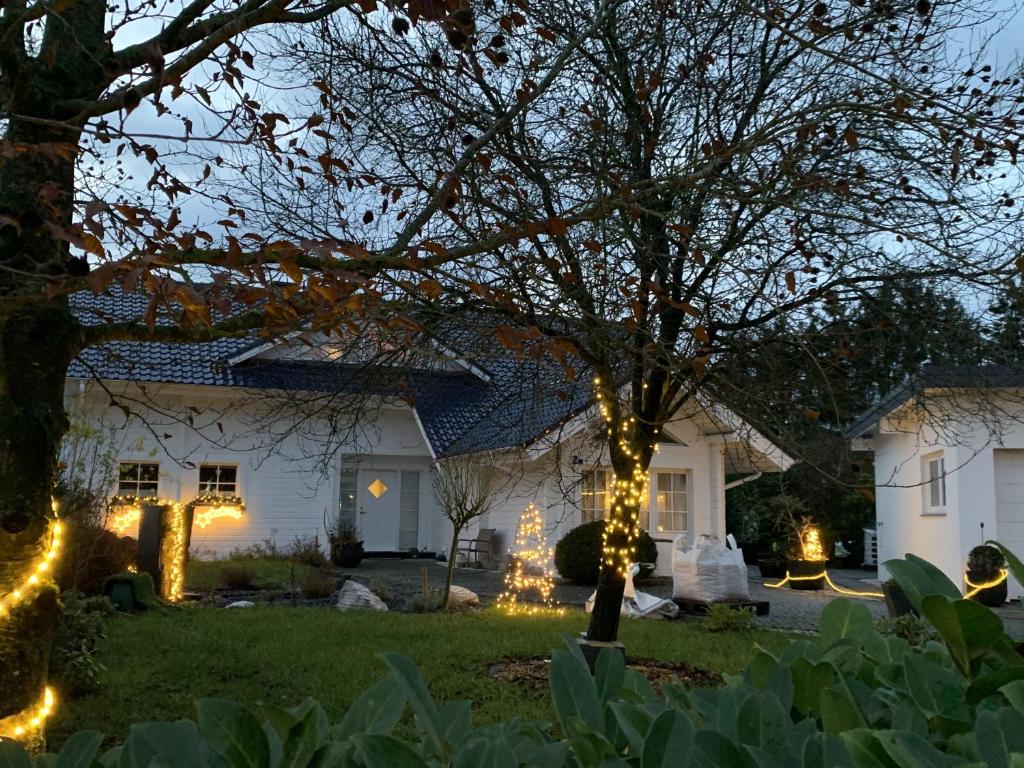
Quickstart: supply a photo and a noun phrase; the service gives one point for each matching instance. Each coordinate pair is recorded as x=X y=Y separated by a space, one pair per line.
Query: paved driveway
x=788 y=608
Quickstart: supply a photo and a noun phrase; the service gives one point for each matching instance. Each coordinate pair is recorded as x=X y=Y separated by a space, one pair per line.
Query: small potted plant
x=346 y=546
x=985 y=565
x=808 y=558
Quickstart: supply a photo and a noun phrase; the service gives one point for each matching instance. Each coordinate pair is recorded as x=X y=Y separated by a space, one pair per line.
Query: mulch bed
x=533 y=672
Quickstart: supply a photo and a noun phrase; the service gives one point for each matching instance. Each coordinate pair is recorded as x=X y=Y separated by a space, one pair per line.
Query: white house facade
x=949 y=466
x=303 y=437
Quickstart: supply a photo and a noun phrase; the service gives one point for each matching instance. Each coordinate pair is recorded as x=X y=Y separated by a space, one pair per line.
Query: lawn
x=157 y=664
x=268 y=572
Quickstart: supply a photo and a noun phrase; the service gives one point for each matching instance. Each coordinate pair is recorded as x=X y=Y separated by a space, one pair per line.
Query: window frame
x=934 y=484
x=656 y=509
x=137 y=481
x=587 y=513
x=236 y=491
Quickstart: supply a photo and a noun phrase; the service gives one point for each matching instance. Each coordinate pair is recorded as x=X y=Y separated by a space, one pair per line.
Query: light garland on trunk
x=37 y=574
x=27 y=726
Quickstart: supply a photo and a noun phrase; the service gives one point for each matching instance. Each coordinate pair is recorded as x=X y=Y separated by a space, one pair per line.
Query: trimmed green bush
x=578 y=554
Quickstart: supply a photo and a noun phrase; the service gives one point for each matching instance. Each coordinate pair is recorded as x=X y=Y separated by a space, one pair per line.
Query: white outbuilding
x=949 y=465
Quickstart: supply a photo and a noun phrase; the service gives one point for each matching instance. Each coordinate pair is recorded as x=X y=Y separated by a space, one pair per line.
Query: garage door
x=1009 y=467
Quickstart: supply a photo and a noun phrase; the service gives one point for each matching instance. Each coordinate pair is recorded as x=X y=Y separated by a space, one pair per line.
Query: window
x=934 y=483
x=672 y=502
x=138 y=478
x=594 y=497
x=218 y=478
x=409 y=511
x=347 y=499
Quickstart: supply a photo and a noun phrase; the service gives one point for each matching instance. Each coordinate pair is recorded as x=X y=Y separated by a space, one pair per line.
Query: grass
x=159 y=664
x=270 y=573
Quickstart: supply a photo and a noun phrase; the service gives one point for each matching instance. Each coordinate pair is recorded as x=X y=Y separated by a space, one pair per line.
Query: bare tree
x=467 y=487
x=698 y=172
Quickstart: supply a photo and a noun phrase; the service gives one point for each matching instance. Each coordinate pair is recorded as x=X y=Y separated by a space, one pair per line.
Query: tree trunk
x=456 y=532
x=35 y=347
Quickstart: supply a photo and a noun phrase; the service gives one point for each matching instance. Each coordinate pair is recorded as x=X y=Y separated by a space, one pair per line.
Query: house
x=949 y=464
x=305 y=431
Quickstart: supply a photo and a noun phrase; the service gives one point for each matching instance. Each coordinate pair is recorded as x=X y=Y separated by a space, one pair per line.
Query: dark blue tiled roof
x=515 y=402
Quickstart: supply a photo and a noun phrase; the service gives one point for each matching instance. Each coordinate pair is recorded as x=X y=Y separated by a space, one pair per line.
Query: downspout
x=742 y=481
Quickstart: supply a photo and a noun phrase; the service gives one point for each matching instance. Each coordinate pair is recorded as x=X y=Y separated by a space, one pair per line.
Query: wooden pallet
x=759 y=607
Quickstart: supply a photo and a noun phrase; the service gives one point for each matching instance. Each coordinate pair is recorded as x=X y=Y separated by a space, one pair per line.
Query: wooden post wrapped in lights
x=530 y=573
x=127 y=511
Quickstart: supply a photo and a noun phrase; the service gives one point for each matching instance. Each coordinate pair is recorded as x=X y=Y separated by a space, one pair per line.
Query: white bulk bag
x=709 y=571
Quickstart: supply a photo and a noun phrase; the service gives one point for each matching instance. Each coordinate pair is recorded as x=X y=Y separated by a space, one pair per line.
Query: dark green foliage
x=90 y=555
x=722 y=618
x=317 y=583
x=237 y=576
x=578 y=554
x=985 y=561
x=74 y=668
x=849 y=697
x=142 y=589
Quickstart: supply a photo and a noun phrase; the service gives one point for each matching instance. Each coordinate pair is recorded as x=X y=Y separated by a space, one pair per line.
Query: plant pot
x=772 y=568
x=799 y=568
x=993 y=597
x=347 y=555
x=896 y=600
x=592 y=649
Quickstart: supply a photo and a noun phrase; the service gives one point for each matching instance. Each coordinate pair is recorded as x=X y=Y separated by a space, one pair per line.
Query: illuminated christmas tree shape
x=530 y=578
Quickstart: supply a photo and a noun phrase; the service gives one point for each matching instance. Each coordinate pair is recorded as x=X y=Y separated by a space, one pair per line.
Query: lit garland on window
x=27 y=726
x=530 y=570
x=36 y=576
x=976 y=588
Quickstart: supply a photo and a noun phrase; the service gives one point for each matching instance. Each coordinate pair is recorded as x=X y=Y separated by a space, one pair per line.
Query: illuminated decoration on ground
x=976 y=588
x=27 y=726
x=530 y=572
x=627 y=495
x=37 y=574
x=828 y=580
x=810 y=544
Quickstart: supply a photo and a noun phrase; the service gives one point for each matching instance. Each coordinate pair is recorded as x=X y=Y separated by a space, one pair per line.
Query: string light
x=37 y=574
x=976 y=588
x=810 y=544
x=173 y=550
x=206 y=516
x=530 y=570
x=828 y=580
x=124 y=519
x=26 y=726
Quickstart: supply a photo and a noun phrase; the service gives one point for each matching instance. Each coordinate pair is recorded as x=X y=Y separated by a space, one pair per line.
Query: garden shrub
x=90 y=555
x=722 y=618
x=381 y=590
x=267 y=549
x=237 y=575
x=578 y=554
x=849 y=697
x=317 y=584
x=307 y=552
x=74 y=668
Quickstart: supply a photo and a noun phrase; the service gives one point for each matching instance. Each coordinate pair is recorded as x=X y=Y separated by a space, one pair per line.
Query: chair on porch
x=478 y=549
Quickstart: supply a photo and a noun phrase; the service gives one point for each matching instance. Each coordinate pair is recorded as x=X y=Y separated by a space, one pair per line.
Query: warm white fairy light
x=207 y=515
x=37 y=574
x=530 y=572
x=27 y=726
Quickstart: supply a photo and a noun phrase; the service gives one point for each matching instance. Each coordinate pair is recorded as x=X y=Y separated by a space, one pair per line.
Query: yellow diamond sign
x=377 y=488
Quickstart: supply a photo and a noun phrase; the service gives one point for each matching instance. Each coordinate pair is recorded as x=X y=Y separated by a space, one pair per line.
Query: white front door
x=379 y=497
x=1009 y=471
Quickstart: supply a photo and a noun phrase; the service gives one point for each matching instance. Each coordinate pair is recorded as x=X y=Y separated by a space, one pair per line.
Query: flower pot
x=772 y=568
x=799 y=568
x=993 y=597
x=347 y=555
x=896 y=600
